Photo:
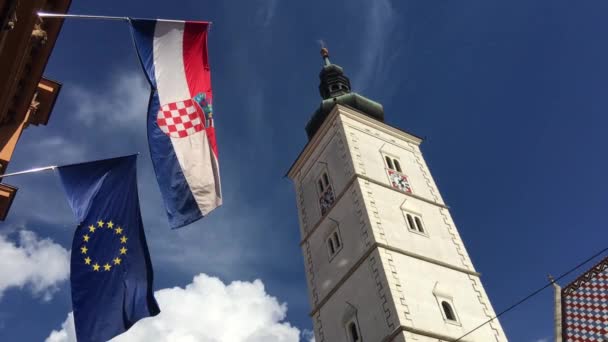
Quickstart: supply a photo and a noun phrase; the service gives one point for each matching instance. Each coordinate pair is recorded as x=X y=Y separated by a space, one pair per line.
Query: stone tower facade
x=384 y=260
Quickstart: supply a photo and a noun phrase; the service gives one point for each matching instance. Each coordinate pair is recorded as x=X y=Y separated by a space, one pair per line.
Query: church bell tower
x=383 y=258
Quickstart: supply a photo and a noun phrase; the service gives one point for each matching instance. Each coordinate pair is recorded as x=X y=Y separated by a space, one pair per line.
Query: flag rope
x=52 y=167
x=36 y=169
x=98 y=17
x=521 y=301
x=80 y=16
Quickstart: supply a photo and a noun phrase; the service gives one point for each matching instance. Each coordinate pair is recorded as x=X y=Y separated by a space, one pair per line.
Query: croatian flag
x=180 y=123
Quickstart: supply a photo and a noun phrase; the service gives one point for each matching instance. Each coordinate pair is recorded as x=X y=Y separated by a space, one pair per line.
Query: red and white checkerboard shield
x=180 y=119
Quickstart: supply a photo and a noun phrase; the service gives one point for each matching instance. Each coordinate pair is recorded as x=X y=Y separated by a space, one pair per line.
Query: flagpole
x=36 y=169
x=557 y=316
x=80 y=16
x=53 y=167
x=96 y=17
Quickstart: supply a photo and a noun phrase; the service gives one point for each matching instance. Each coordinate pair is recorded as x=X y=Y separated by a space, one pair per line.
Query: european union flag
x=111 y=272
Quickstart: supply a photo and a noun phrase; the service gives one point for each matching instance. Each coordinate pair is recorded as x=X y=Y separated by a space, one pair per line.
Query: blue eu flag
x=111 y=272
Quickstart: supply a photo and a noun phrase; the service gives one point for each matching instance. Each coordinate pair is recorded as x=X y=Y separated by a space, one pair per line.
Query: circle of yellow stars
x=103 y=226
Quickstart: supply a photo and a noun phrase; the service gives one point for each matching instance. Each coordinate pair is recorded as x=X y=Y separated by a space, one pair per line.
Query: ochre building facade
x=26 y=97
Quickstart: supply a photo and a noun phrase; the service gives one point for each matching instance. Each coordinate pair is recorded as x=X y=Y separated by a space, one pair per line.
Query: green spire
x=335 y=89
x=333 y=81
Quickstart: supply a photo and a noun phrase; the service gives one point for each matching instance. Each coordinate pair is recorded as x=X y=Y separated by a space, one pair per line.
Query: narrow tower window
x=353 y=332
x=414 y=222
x=419 y=224
x=397 y=165
x=410 y=222
x=397 y=178
x=389 y=162
x=448 y=311
x=326 y=194
x=323 y=182
x=337 y=239
x=393 y=163
x=330 y=245
x=334 y=243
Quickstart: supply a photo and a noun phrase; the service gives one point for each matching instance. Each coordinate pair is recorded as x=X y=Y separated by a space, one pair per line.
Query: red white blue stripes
x=180 y=130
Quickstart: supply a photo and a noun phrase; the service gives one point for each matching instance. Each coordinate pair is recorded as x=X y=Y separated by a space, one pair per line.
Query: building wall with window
x=374 y=143
x=328 y=268
x=406 y=279
x=439 y=240
x=425 y=286
x=329 y=156
x=26 y=98
x=359 y=304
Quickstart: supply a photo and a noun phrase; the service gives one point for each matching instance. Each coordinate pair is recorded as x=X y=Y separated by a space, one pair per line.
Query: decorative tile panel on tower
x=585 y=306
x=399 y=181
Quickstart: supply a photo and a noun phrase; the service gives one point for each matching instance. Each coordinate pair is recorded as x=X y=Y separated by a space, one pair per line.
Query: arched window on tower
x=334 y=243
x=389 y=162
x=397 y=165
x=351 y=324
x=419 y=224
x=353 y=332
x=397 y=178
x=414 y=223
x=448 y=311
x=336 y=238
x=410 y=222
x=330 y=245
x=445 y=303
x=326 y=193
x=393 y=164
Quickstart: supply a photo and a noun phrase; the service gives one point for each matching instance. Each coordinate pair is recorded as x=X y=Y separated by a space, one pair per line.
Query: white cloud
x=207 y=310
x=122 y=102
x=67 y=332
x=267 y=11
x=381 y=22
x=63 y=150
x=308 y=335
x=39 y=264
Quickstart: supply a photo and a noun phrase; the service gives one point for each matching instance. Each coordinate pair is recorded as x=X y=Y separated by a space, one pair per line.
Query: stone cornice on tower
x=355 y=114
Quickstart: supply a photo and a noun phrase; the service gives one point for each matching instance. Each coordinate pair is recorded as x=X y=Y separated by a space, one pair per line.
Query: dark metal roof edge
x=351 y=108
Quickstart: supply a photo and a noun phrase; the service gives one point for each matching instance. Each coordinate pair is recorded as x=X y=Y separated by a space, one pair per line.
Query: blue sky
x=510 y=98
